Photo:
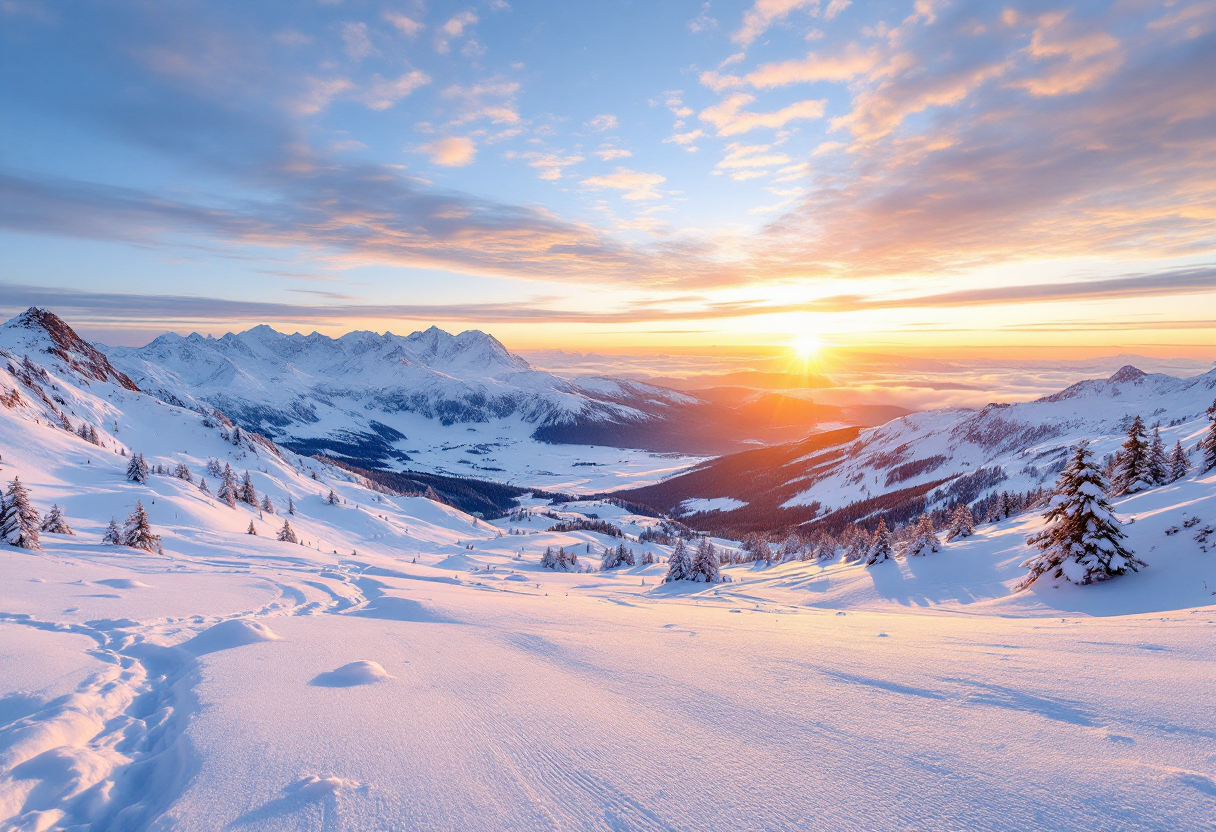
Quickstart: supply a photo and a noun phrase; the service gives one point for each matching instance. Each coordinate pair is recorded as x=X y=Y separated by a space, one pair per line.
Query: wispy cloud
x=632 y=184
x=730 y=119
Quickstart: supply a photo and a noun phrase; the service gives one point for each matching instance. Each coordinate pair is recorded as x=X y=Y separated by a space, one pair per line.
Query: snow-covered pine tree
x=1132 y=463
x=962 y=523
x=246 y=493
x=227 y=491
x=267 y=506
x=789 y=548
x=137 y=469
x=705 y=567
x=213 y=467
x=291 y=507
x=252 y=529
x=647 y=558
x=1208 y=444
x=761 y=551
x=880 y=548
x=678 y=565
x=113 y=535
x=825 y=550
x=1082 y=542
x=182 y=472
x=562 y=560
x=202 y=486
x=137 y=533
x=332 y=499
x=858 y=547
x=55 y=522
x=1179 y=463
x=1158 y=463
x=923 y=540
x=18 y=519
x=287 y=534
x=548 y=560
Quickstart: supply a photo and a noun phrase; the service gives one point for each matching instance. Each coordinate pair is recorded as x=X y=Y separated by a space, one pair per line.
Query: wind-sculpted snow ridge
x=404 y=664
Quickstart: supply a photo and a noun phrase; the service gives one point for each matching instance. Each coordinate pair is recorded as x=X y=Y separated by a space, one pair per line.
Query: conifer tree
x=113 y=535
x=1082 y=542
x=332 y=499
x=1158 y=463
x=287 y=534
x=962 y=523
x=1179 y=463
x=18 y=519
x=924 y=539
x=859 y=545
x=548 y=560
x=55 y=523
x=790 y=548
x=1208 y=444
x=825 y=550
x=678 y=565
x=1132 y=463
x=252 y=529
x=880 y=548
x=213 y=467
x=182 y=472
x=137 y=533
x=202 y=486
x=246 y=493
x=267 y=506
x=291 y=507
x=228 y=489
x=137 y=468
x=705 y=565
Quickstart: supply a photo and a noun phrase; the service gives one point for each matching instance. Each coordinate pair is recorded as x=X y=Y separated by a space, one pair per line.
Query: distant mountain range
x=347 y=396
x=928 y=460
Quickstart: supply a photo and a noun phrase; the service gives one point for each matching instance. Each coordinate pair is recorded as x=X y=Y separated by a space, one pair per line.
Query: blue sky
x=598 y=173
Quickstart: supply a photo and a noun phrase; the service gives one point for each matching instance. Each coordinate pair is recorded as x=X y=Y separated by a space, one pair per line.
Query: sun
x=806 y=346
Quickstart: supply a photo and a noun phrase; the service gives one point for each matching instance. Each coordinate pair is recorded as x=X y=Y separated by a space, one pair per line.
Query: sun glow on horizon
x=806 y=346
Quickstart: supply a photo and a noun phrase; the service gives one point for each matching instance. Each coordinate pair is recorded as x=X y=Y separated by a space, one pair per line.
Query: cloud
x=703 y=21
x=842 y=67
x=406 y=25
x=318 y=93
x=764 y=14
x=610 y=153
x=451 y=151
x=357 y=42
x=751 y=161
x=550 y=165
x=685 y=140
x=634 y=185
x=719 y=82
x=454 y=28
x=834 y=8
x=730 y=119
x=603 y=122
x=384 y=93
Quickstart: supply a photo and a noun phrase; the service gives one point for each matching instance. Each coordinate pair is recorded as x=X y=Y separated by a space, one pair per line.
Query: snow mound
x=351 y=675
x=235 y=632
x=313 y=786
x=521 y=578
x=458 y=562
x=392 y=608
x=123 y=583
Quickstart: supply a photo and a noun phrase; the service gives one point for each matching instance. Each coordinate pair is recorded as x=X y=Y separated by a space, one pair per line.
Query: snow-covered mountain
x=931 y=459
x=431 y=401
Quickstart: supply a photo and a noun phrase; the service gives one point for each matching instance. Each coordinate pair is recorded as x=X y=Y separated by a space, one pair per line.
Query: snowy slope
x=412 y=667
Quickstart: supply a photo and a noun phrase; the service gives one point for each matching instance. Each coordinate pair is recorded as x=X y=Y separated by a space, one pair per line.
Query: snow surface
x=701 y=505
x=411 y=667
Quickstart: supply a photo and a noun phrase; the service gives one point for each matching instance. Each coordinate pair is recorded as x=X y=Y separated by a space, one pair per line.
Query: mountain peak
x=1126 y=373
x=42 y=331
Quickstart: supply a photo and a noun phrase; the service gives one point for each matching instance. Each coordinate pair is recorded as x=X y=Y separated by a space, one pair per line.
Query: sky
x=958 y=176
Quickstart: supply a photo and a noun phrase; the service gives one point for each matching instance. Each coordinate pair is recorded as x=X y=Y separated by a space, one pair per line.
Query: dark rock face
x=70 y=348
